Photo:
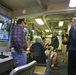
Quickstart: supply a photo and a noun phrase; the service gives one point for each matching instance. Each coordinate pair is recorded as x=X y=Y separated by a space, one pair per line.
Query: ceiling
x=51 y=12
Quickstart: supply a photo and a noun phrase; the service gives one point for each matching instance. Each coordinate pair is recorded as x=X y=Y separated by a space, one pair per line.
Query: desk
x=6 y=64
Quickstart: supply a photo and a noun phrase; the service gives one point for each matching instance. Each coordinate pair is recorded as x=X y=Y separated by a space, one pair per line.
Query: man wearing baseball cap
x=72 y=48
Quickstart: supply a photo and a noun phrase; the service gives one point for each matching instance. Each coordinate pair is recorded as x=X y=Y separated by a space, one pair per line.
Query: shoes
x=57 y=65
x=63 y=60
x=54 y=67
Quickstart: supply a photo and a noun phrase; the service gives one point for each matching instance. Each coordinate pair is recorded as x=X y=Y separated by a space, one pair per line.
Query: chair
x=48 y=67
x=27 y=69
x=41 y=70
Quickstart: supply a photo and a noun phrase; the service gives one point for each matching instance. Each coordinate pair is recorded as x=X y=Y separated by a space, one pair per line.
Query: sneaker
x=65 y=61
x=57 y=65
x=62 y=60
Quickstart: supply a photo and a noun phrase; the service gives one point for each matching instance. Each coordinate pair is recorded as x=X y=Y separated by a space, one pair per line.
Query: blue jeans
x=20 y=59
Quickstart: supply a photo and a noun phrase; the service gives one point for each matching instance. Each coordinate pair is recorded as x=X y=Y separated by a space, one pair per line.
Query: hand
x=46 y=46
x=22 y=52
x=51 y=47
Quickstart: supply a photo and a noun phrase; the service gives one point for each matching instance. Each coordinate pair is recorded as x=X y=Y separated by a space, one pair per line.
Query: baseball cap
x=20 y=20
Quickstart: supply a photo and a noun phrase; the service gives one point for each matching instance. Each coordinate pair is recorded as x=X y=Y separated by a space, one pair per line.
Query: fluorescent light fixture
x=33 y=30
x=61 y=23
x=46 y=30
x=35 y=36
x=72 y=3
x=39 y=21
x=60 y=31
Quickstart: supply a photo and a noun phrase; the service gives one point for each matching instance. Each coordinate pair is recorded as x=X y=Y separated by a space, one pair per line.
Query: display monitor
x=5 y=26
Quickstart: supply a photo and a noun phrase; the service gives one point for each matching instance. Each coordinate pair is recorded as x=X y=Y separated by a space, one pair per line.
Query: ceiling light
x=72 y=3
x=39 y=21
x=61 y=23
x=46 y=30
x=33 y=30
x=35 y=36
x=60 y=31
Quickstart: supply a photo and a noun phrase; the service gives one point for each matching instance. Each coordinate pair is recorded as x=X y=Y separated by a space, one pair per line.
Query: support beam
x=46 y=23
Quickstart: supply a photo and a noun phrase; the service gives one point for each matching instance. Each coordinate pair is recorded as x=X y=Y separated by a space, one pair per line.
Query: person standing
x=18 y=43
x=72 y=48
x=64 y=45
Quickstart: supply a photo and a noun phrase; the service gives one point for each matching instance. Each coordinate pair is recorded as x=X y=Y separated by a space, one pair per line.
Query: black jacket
x=54 y=42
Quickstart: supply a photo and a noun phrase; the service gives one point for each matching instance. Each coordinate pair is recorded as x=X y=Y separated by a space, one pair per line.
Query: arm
x=73 y=31
x=19 y=39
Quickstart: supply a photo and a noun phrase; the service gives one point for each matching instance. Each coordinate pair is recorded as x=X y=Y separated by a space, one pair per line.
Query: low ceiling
x=51 y=11
x=42 y=4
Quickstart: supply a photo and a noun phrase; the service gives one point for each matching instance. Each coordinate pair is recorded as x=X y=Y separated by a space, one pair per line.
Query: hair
x=65 y=30
x=20 y=21
x=38 y=39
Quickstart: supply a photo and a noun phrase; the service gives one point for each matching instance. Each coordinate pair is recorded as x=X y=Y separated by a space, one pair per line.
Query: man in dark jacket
x=72 y=48
x=54 y=45
x=54 y=41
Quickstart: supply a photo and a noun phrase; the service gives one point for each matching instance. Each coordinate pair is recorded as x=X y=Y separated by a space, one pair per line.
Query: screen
x=5 y=25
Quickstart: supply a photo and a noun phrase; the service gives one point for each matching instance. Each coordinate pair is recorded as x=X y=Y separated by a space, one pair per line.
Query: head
x=21 y=22
x=64 y=31
x=74 y=18
x=38 y=39
x=53 y=34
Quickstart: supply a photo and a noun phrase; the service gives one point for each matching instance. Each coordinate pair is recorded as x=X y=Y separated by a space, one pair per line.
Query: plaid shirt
x=18 y=40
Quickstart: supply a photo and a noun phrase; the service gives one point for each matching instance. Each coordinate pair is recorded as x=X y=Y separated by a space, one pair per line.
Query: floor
x=61 y=71
x=63 y=67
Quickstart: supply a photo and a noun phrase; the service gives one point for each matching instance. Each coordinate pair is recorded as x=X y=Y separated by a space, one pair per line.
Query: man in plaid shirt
x=18 y=43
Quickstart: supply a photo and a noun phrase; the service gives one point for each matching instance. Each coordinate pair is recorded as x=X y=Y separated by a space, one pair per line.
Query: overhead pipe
x=46 y=22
